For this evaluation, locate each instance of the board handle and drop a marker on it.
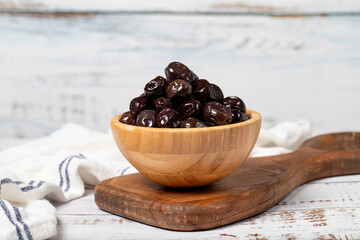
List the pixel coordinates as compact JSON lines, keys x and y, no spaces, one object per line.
{"x":330,"y":155}
{"x":329,"y":164}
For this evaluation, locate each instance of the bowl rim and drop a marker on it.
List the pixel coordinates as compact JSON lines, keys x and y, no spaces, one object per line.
{"x":255,"y":117}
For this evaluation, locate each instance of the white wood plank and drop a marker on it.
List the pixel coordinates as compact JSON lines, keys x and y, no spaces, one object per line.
{"x":338,"y":179}
{"x":295,"y":6}
{"x":317,"y":196}
{"x":314,"y":210}
{"x":85,"y":70}
{"x":342,"y":223}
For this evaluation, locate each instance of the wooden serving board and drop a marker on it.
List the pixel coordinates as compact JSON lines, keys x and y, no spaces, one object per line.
{"x":254,"y":187}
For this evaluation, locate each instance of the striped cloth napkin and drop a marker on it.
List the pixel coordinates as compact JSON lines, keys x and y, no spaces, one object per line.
{"x":61,"y":166}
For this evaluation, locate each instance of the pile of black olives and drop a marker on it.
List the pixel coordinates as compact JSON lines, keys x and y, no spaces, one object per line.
{"x":183,"y":100}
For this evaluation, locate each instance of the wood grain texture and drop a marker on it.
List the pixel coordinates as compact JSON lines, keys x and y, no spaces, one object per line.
{"x":320,"y":223}
{"x":326,"y":208}
{"x":187,"y":157}
{"x":285,"y":68}
{"x":220,"y":6}
{"x":256,"y":186}
{"x":83,"y":68}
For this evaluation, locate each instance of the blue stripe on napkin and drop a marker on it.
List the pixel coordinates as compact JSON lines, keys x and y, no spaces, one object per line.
{"x":25,"y":188}
{"x":30,"y":187}
{"x":19,"y":219}
{"x":60,"y":167}
{"x":7,"y":213}
{"x":124,"y":170}
{"x":67,"y":178}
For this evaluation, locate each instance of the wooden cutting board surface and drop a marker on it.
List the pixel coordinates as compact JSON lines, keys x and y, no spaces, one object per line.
{"x":254,"y":187}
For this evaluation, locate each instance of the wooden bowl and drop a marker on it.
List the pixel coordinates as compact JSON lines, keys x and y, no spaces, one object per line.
{"x":184,"y":157}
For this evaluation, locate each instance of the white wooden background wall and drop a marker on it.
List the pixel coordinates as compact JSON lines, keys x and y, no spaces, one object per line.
{"x":82,"y":61}
{"x":66,"y":63}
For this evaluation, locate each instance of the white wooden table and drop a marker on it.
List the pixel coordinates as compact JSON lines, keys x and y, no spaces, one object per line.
{"x":322,"y":209}
{"x":83,"y":61}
